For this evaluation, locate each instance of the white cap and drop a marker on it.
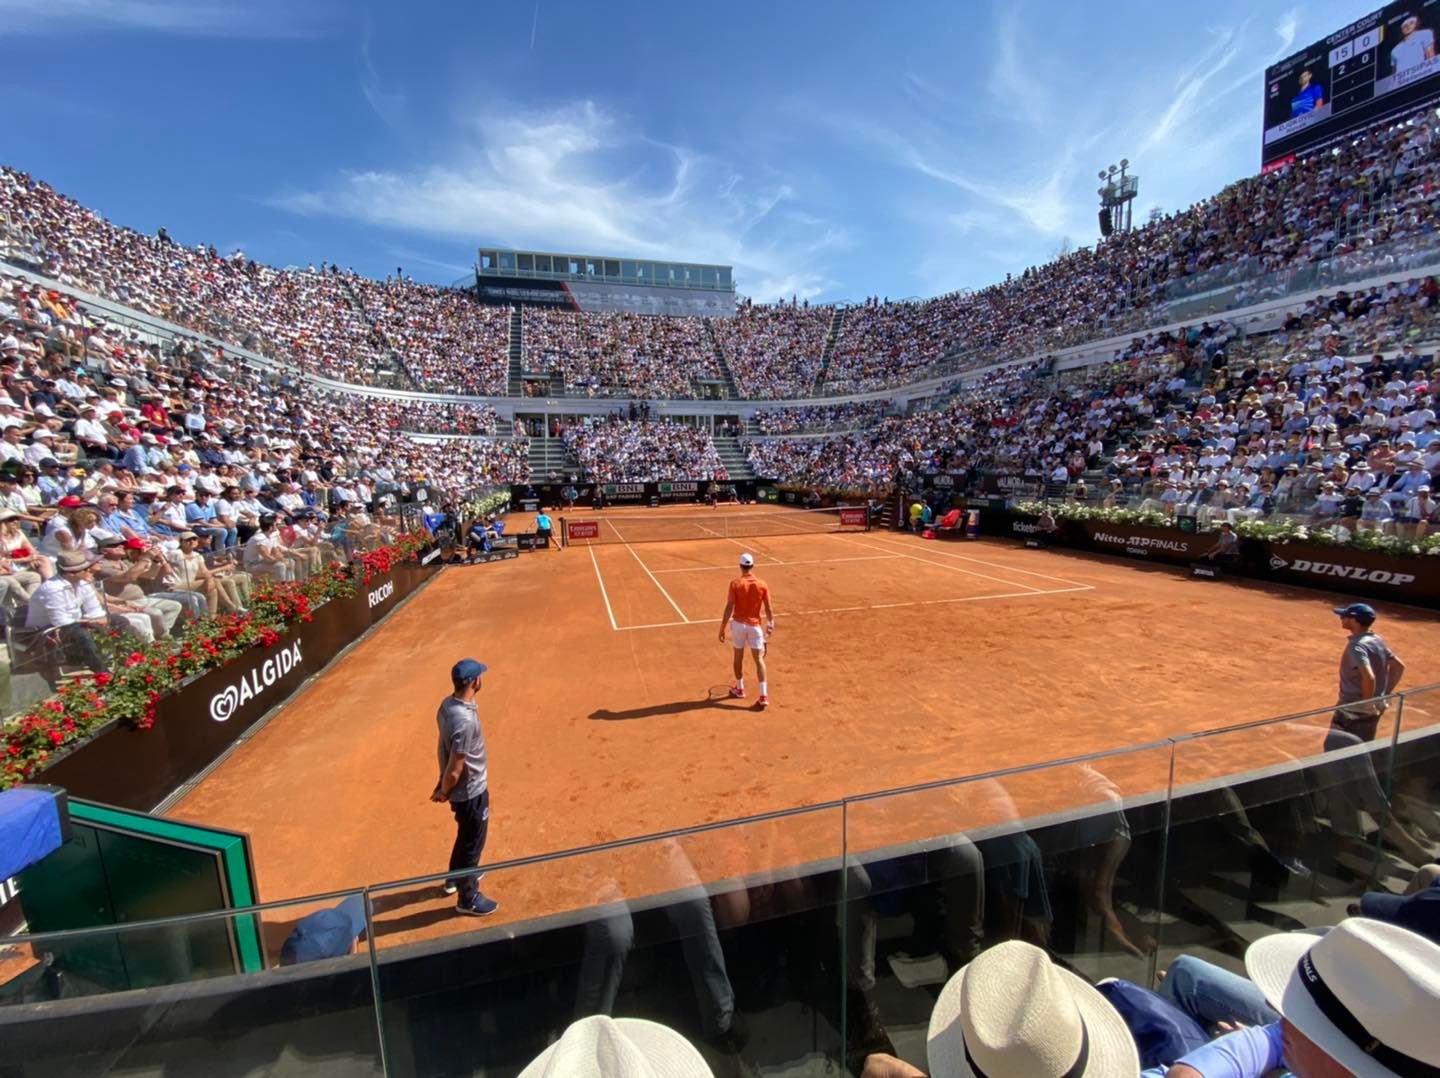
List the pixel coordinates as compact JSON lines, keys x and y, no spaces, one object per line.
{"x":747,"y":560}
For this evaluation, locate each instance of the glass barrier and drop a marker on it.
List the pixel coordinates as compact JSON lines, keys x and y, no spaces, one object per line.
{"x":178,"y":996}
{"x":1067,"y":856}
{"x":1414,"y":786}
{"x":727,"y":935}
{"x":793,"y":943}
{"x":1279,"y":826}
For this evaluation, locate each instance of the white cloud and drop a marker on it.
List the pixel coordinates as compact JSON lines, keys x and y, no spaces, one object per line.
{"x":535,"y":181}
{"x":389,"y":106}
{"x":1285,"y":28}
{"x":1013,"y":79}
{"x":188,"y":18}
{"x":1190,"y":86}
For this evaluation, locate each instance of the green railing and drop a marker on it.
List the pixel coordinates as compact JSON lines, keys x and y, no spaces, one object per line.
{"x":787,"y":943}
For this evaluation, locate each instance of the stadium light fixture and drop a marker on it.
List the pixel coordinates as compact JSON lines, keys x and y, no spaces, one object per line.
{"x":1124,"y":163}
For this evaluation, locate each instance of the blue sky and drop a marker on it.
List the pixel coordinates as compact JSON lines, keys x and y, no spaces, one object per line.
{"x":830,"y":150}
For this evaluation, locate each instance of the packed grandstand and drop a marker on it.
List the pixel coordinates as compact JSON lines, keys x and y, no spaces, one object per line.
{"x":185,"y":423}
{"x":321,"y":376}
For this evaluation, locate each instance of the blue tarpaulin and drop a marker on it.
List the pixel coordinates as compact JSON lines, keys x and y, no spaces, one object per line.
{"x":30,"y":827}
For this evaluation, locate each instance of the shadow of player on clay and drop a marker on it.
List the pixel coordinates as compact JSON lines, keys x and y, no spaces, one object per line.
{"x":718,"y":697}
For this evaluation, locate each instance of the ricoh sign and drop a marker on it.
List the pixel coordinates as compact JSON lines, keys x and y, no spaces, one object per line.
{"x":380,"y":594}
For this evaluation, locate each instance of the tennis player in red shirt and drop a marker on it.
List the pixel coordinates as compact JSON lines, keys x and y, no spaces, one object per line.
{"x":747,"y":599}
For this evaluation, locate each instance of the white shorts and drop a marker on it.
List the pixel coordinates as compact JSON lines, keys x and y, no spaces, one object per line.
{"x":747,"y":636}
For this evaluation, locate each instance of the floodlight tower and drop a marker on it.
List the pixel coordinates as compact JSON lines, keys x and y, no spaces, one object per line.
{"x":1117,"y":198}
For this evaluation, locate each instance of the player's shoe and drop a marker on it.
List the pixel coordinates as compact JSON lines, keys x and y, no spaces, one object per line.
{"x":763,"y":702}
{"x":479,"y":906}
{"x":737,"y":692}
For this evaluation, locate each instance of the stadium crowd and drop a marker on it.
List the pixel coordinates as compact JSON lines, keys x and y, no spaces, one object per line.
{"x":1308,"y":422}
{"x":114,"y":447}
{"x":617,"y":450}
{"x":775,"y":351}
{"x":616,"y":353}
{"x":445,"y":340}
{"x":307,"y":318}
{"x":811,"y":418}
{"x":1375,"y":192}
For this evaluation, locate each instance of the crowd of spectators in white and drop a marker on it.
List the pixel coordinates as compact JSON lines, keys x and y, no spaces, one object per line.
{"x":303,"y":317}
{"x":775,"y":351}
{"x":617,"y":353}
{"x":1378,"y":190}
{"x":446,"y":341}
{"x":617,"y":450}
{"x":1330,"y":421}
{"x":95,"y":381}
{"x":820,"y":418}
{"x":1374,"y":192}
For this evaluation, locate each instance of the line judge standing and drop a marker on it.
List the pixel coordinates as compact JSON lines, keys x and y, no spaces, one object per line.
{"x":747,"y":598}
{"x":1369,"y":670}
{"x":462,"y":783}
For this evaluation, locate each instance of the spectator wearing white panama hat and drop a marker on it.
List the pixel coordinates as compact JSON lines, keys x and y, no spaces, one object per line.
{"x":604,"y":1047}
{"x":1359,"y":1000}
{"x":1012,"y":1013}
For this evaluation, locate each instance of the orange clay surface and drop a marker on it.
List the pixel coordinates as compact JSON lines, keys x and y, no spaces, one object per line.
{"x":896,"y":661}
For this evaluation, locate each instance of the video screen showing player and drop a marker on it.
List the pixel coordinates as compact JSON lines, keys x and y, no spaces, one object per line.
{"x":1310,"y":95}
{"x":1416,"y":45}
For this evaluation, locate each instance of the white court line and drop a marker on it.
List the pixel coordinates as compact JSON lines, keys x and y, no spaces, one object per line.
{"x":750,"y":547}
{"x":991,"y":564}
{"x":603,"y":593}
{"x":876,"y":606}
{"x":657,"y":583}
{"x":812,"y":561}
{"x":942,"y":565}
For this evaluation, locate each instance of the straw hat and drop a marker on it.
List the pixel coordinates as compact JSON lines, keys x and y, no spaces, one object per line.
{"x":604,"y":1047}
{"x":1365,"y":993}
{"x":1012,"y":1013}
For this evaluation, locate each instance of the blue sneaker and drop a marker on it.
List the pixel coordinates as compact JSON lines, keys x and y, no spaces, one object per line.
{"x":479,"y":906}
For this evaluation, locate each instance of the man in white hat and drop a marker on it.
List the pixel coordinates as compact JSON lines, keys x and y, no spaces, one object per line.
{"x":1359,"y":1000}
{"x":1012,"y":1013}
{"x":604,"y":1047}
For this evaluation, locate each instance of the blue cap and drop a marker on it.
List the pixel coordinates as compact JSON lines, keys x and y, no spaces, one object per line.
{"x":1359,"y":611}
{"x":325,"y":933}
{"x":467,"y":670}
{"x":1419,"y":912}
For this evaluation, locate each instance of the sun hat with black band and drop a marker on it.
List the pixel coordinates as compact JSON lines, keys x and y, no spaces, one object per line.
{"x":1365,"y":993}
{"x":1012,"y":1013}
{"x":605,"y":1047}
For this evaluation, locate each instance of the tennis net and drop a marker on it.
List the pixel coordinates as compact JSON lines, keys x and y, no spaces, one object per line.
{"x":585,"y":531}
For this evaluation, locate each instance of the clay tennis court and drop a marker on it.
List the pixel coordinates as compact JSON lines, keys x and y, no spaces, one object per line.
{"x":896,"y":661}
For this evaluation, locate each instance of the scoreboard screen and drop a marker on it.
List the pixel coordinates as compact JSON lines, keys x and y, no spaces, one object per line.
{"x":1378,"y":67}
